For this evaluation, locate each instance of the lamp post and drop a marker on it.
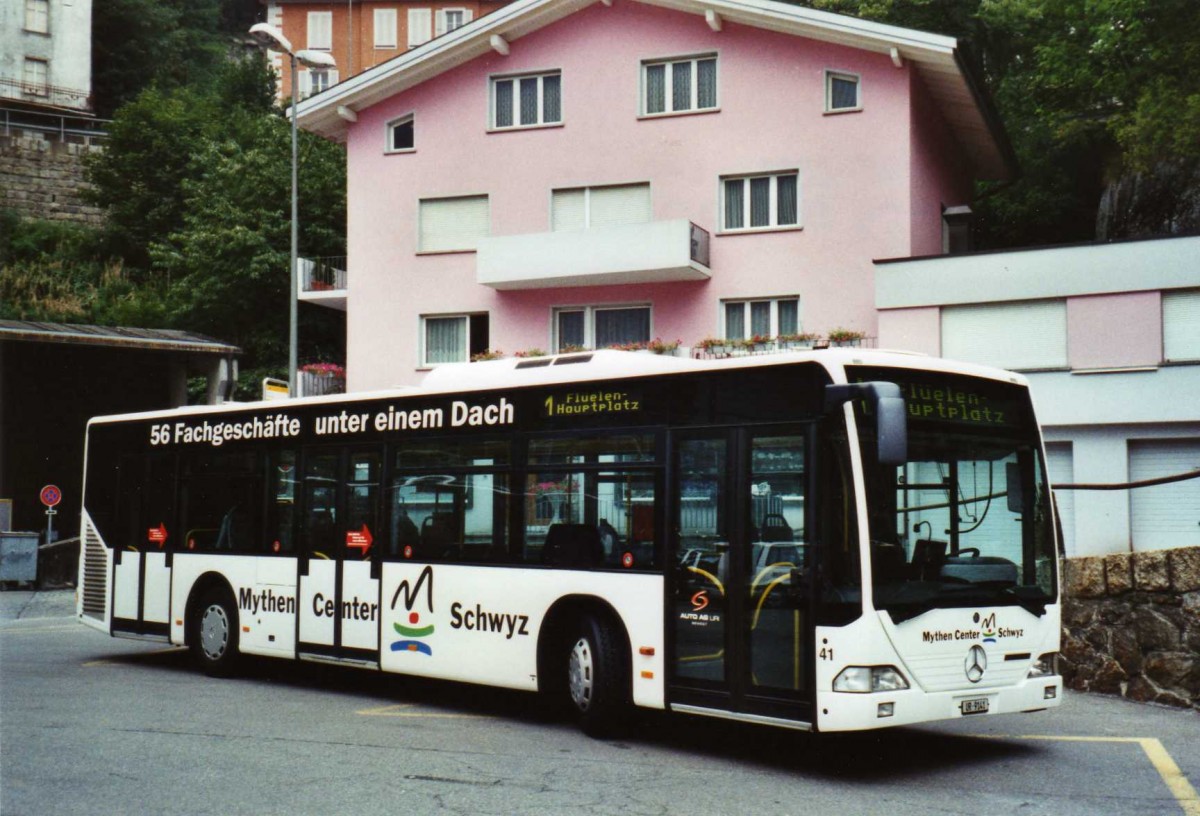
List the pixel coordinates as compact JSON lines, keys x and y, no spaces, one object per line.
{"x":271,"y":38}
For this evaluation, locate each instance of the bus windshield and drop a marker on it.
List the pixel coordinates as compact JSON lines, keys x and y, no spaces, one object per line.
{"x":966,"y":521}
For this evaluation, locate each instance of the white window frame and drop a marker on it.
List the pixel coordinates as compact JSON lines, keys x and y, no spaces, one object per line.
{"x":389,"y":142}
{"x":313,"y":81}
{"x":845,"y":76}
{"x":469,"y":247}
{"x":668,"y":85}
{"x":420,"y":26}
{"x":422,"y":341}
{"x":37,"y":16}
{"x":589,"y":320}
{"x":31,"y":84}
{"x":746,"y":313}
{"x":587,"y":201}
{"x":516,"y":80}
{"x":774,"y":225}
{"x":385,"y":32}
{"x":319,"y":23}
{"x":442,"y":25}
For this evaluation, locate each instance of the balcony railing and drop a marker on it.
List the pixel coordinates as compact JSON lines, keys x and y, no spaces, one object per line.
{"x":323,"y":281}
{"x":316,"y":385}
{"x":652,"y":252}
{"x":41,"y":93}
{"x":81,"y":128}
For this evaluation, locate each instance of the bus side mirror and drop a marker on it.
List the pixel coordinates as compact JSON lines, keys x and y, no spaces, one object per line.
{"x":891,"y":418}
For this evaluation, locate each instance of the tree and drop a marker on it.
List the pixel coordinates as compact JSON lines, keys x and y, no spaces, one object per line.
{"x":136,"y":43}
{"x":228,"y":262}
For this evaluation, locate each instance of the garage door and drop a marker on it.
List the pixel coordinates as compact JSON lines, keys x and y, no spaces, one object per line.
{"x":1061,"y":465}
{"x":1164,"y":516}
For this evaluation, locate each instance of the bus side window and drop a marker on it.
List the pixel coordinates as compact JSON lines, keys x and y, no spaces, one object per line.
{"x":221,"y":501}
{"x":281,"y":502}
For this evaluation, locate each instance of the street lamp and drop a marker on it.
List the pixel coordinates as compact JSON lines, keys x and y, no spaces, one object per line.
{"x":271,"y":38}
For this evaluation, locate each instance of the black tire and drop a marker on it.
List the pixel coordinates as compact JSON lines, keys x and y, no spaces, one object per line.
{"x":214,"y":635}
{"x":597,"y":678}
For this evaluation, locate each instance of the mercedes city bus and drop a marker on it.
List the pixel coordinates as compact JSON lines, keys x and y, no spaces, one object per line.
{"x":829,"y":540}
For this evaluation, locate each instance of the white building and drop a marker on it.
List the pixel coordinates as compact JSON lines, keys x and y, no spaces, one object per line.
{"x":46,"y":53}
{"x":1109,"y":336}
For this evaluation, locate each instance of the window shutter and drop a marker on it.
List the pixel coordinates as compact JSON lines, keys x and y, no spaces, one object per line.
{"x":1181,"y":325}
{"x":304,"y":88}
{"x":449,"y":224}
{"x":320,"y":30}
{"x":1009,"y":335}
{"x":467,"y":16}
{"x":441,"y":22}
{"x":625,"y":204}
{"x":569,"y":210}
{"x":420,"y":26}
{"x":385,"y":28}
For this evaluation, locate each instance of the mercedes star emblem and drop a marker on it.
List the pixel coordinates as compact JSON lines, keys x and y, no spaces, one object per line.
{"x":975,"y":664}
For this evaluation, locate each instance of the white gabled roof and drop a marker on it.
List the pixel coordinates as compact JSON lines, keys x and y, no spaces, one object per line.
{"x":936,"y":57}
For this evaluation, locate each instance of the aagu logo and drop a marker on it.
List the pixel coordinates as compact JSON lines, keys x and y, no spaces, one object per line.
{"x":700,"y":600}
{"x":413,"y":633}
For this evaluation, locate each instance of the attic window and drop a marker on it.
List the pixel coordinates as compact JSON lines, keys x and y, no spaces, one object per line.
{"x":400,"y":136}
{"x":841,"y":92}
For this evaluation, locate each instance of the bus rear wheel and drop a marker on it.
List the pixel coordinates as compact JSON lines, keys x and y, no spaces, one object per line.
{"x":214,"y":637}
{"x":596,"y":678}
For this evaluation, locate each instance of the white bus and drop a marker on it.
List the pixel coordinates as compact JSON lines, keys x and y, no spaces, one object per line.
{"x":828,"y":540}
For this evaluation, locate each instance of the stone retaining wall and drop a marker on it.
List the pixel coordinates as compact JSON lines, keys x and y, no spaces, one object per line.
{"x":1131,"y":625}
{"x":42,"y":177}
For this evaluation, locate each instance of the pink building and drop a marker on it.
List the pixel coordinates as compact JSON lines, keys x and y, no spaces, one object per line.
{"x":561,"y":173}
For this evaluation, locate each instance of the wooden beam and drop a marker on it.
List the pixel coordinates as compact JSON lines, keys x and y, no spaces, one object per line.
{"x":499,"y":44}
{"x":713,"y":19}
{"x":346,"y":113}
{"x":897,"y":60}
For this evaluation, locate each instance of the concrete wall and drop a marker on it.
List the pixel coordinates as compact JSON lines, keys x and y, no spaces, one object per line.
{"x":42,"y":177}
{"x":1131,"y":626}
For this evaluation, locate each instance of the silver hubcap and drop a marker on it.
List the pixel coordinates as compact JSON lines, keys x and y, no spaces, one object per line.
{"x":214,"y":632}
{"x":580,"y":674}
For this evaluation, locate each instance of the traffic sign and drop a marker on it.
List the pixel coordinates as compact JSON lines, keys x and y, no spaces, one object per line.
{"x":50,"y":495}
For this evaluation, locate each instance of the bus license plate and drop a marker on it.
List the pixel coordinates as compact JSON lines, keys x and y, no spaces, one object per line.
{"x":979,"y":706}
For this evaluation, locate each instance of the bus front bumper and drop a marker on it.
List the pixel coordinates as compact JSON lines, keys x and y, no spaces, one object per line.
{"x":838,"y":711}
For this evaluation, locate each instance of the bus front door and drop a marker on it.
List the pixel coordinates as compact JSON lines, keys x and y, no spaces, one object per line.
{"x":339,"y":579}
{"x":741,"y":634}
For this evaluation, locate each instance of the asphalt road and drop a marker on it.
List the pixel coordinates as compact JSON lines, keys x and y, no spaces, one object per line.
{"x":92,"y":725}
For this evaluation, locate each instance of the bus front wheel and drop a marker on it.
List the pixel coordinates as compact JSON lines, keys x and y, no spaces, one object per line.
{"x":596,"y":680}
{"x":214,"y":639}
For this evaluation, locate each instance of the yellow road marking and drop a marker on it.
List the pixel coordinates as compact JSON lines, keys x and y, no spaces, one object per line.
{"x":113,"y":661}
{"x":396,"y":711}
{"x":1185,"y":795}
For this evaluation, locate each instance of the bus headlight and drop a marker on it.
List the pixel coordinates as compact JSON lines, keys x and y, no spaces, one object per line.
{"x":865,"y":679}
{"x":1045,"y":666}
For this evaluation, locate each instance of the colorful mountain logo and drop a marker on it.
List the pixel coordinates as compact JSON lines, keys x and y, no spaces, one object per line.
{"x":989,"y":628}
{"x":414,"y":635}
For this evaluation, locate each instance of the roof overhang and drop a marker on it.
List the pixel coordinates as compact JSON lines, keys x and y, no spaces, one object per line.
{"x":936,"y":58}
{"x":117,"y":336}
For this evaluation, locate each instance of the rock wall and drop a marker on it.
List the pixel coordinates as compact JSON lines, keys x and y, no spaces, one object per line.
{"x":1131,"y":625}
{"x":42,"y":177}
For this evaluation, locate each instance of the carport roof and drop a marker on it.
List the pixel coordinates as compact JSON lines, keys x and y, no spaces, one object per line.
{"x":124,"y":336}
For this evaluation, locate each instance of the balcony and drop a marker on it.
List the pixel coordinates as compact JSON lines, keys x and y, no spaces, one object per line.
{"x":654,"y":252}
{"x":323,"y":281}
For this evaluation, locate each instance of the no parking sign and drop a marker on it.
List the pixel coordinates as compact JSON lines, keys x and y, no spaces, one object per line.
{"x":50,"y":495}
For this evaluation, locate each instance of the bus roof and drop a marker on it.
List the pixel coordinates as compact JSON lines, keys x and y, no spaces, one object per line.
{"x":605,"y":364}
